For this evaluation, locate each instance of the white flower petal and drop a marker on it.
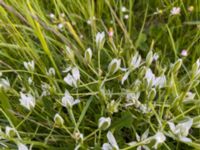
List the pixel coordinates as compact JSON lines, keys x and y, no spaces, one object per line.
{"x":27,"y":100}
{"x":112,"y":140}
{"x":106,"y":146}
{"x":125,"y":77}
{"x":185,"y":139}
{"x":22,"y":146}
{"x":145,"y":135}
{"x":76,"y":73}
{"x":172,"y":126}
{"x":69,"y":79}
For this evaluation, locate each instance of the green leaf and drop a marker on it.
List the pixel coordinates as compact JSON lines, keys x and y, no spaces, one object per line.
{"x":6,"y":107}
{"x":125,"y":120}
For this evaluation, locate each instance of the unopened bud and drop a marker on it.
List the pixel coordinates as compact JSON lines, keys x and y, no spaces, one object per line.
{"x":88,"y":55}
{"x":149,"y":58}
{"x":196,"y":69}
{"x":104,"y":123}
{"x":177,"y":66}
{"x":152,"y":94}
{"x":114,"y":66}
{"x":58,"y":120}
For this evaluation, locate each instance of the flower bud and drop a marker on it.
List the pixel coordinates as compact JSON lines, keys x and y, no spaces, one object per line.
{"x":30,"y":66}
{"x":104,"y":123}
{"x":152,"y":94}
{"x":176,"y":66}
{"x":100,"y":39}
{"x":58,"y":120}
{"x":69,"y":53}
{"x":196,"y":69}
{"x":114,"y":66}
{"x":149,"y":58}
{"x":88,"y":55}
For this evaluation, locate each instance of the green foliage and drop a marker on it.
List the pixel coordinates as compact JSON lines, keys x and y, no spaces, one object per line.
{"x":139,"y":76}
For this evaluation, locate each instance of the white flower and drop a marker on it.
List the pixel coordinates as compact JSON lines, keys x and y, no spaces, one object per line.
{"x":160,"y":138}
{"x":123,"y":9}
{"x":45,"y":89}
{"x":135,"y":61}
{"x":184,"y":53}
{"x":60,"y":26}
{"x":114,"y":66}
{"x":189,"y":97}
{"x":73,"y":79}
{"x":76,"y":73}
{"x":107,"y":146}
{"x":131,"y":96}
{"x":30,"y":66}
{"x":144,"y":108}
{"x":51,"y":72}
{"x":22,"y":146}
{"x":155,"y":57}
{"x":175,"y":11}
{"x":62,"y":15}
{"x":81,"y":36}
{"x":104,"y":123}
{"x":100,"y":39}
{"x":126,"y":16}
{"x":51,"y":15}
{"x":132,"y":99}
{"x":69,"y":79}
{"x":160,"y":81}
{"x":27,"y":100}
{"x":4,"y":83}
{"x":88,"y":54}
{"x":58,"y":120}
{"x":89,"y":22}
{"x":182,"y":129}
{"x":68,"y":101}
{"x":140,"y":139}
{"x":112,"y":143}
{"x":150,"y":77}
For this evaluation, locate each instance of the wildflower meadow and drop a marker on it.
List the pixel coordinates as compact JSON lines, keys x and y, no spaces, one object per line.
{"x":99,"y":74}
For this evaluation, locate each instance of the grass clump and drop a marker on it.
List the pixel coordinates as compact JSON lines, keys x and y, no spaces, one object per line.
{"x":99,"y":74}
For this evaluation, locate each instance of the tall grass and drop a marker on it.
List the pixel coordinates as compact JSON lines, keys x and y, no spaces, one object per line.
{"x":106,"y":74}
